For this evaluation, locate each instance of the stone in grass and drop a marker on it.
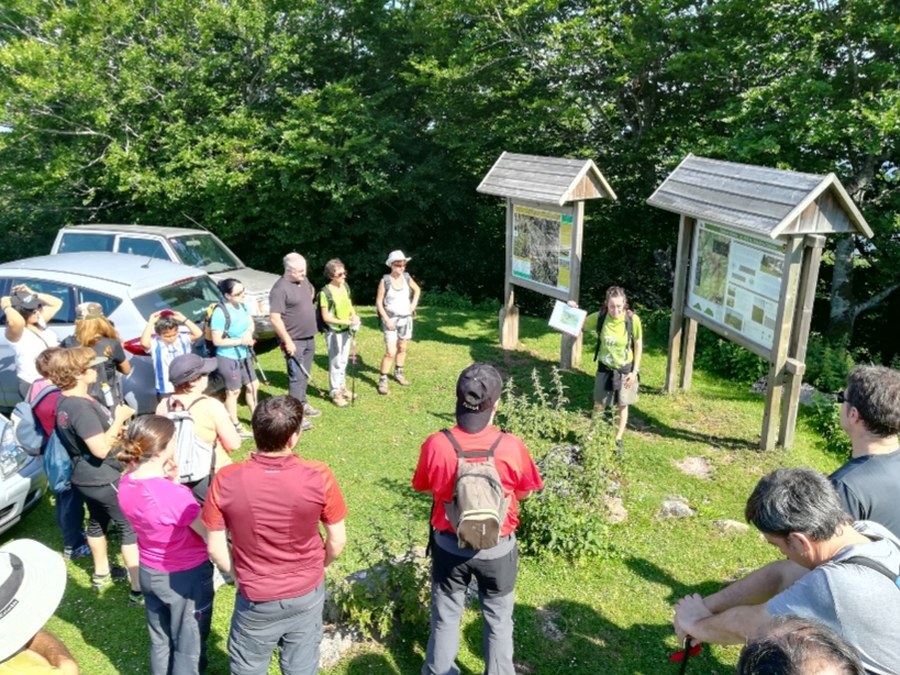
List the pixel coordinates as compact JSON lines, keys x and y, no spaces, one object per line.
{"x":615,"y":511}
{"x":726,"y":526}
{"x":699,"y":467}
{"x":336,"y":642}
{"x":676,"y":507}
{"x":549,"y":619}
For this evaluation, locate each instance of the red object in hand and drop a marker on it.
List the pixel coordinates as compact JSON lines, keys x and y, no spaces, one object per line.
{"x":680,"y":654}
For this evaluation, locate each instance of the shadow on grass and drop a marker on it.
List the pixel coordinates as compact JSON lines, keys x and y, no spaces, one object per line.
{"x":646,"y":423}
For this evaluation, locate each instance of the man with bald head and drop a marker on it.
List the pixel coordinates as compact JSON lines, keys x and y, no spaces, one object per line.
{"x":293,"y":316}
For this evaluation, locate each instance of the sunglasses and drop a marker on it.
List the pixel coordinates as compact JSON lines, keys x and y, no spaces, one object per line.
{"x":340,"y":274}
{"x":399,"y":264}
{"x":841,"y":398}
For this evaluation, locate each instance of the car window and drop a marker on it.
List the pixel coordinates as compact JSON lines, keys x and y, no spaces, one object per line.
{"x":152,"y":248}
{"x":74,"y":242}
{"x":108,"y":303}
{"x":190,"y":297}
{"x":66,"y":314}
{"x":203,"y":251}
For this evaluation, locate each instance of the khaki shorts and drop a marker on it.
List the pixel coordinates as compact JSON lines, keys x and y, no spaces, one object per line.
{"x":623,"y":397}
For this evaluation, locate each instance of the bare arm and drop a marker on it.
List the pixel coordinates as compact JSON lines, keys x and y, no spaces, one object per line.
{"x":124,"y":367}
{"x":281,"y":332}
{"x":379,"y":302}
{"x":217,"y":547}
{"x":733,"y":626}
{"x":15,"y":324}
{"x":195,"y":330}
{"x":226,"y":433}
{"x":148,"y":330}
{"x":100,"y":445}
{"x":757,"y":587}
{"x":198,"y":527}
{"x":417,"y":291}
{"x":54,"y":651}
{"x":335,"y":540}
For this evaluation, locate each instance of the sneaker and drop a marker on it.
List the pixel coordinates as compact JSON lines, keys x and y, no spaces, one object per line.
{"x":116,"y":573}
{"x":135,"y":599}
{"x":83,"y":551}
{"x":339,"y":400}
{"x":309,"y":411}
{"x":349,"y":395}
{"x":618,"y":450}
{"x":382,"y":387}
{"x":242,"y":431}
{"x":402,"y":381}
{"x":306,"y":426}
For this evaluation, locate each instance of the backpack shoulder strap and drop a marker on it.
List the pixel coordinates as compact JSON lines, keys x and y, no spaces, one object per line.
{"x":386,"y":280}
{"x":202,"y":398}
{"x":601,"y":319}
{"x":463,"y":454}
{"x":46,"y":391}
{"x":872,"y":565}
{"x":227,"y":315}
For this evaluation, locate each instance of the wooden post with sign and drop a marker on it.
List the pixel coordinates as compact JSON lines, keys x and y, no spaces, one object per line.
{"x":749,"y":245}
{"x":544,"y":231}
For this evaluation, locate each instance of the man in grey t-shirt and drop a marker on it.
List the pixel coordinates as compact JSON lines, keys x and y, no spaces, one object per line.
{"x":798,"y":512}
{"x":870,"y":415}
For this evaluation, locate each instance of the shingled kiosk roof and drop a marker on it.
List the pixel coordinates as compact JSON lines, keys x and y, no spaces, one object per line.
{"x":771,"y":202}
{"x":552,"y":180}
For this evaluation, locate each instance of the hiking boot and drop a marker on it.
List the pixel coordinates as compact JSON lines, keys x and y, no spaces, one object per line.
{"x":349,"y":395}
{"x":116,"y":573}
{"x":339,"y":400}
{"x":135,"y":599}
{"x":82,"y":551}
{"x":382,"y":387}
{"x":402,"y":381}
{"x":242,"y":431}
{"x":309,"y":411}
{"x":306,"y":426}
{"x":618,"y":450}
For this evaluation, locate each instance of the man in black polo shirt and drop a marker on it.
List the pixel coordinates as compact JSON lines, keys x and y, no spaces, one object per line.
{"x":293,"y":316}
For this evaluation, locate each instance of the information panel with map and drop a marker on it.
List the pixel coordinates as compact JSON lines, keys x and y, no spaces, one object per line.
{"x":736,"y":281}
{"x":542,"y":246}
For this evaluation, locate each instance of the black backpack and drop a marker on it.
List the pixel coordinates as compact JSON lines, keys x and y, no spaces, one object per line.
{"x":208,"y":346}
{"x":320,"y":322}
{"x":478,"y":508}
{"x":629,"y":330}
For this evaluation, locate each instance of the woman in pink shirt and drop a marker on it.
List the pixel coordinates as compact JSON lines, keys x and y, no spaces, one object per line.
{"x":175,"y":572}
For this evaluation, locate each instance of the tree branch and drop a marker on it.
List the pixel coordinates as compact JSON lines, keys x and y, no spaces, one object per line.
{"x":874,"y":300}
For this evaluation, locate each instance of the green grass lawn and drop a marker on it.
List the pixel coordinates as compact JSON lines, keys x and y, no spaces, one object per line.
{"x":612,"y":614}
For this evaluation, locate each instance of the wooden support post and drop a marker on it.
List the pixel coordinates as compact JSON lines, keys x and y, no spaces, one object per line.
{"x":809,"y":275}
{"x":690,"y":346}
{"x":781,"y":340}
{"x":679,"y":293}
{"x":509,"y":313}
{"x":570,"y":347}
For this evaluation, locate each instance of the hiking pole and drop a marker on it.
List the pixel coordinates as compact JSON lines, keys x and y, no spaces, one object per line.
{"x":262,"y":374}
{"x":308,"y":376}
{"x":353,"y":366}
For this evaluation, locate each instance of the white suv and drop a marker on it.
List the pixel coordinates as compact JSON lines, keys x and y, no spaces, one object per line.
{"x":128,"y":287}
{"x":193,"y":247}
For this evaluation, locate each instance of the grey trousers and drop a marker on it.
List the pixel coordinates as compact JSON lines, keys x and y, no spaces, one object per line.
{"x":450,"y":575}
{"x":293,"y":624}
{"x":338,"y":355}
{"x":297,"y":378}
{"x":178,"y":606}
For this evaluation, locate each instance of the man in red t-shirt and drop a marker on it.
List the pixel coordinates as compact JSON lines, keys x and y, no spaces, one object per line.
{"x":477,"y":395}
{"x":272,"y":506}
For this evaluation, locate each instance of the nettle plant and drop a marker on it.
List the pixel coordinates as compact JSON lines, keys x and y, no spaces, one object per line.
{"x":575,"y":456}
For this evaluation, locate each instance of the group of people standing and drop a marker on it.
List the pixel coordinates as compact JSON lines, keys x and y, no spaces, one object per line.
{"x":294,"y":304}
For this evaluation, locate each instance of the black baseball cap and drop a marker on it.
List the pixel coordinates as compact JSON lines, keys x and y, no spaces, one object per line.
{"x":477,"y":390}
{"x":189,"y":367}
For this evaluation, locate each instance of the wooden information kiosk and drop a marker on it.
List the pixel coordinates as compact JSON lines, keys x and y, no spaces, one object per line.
{"x":544,"y":225}
{"x":749,"y":245}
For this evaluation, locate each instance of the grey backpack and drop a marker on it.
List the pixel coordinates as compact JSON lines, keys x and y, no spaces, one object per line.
{"x":478,"y":509}
{"x":195,"y":459}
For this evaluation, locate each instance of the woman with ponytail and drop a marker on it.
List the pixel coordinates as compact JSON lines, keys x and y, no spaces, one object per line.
{"x":175,"y":572}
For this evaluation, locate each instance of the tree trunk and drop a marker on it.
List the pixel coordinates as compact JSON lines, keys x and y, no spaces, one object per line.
{"x":840,"y":326}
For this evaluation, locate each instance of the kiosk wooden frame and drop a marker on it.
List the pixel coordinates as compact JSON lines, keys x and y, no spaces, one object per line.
{"x":550,"y":188}
{"x":796,"y":209}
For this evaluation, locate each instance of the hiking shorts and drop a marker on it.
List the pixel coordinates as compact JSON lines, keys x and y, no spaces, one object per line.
{"x":236,"y":372}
